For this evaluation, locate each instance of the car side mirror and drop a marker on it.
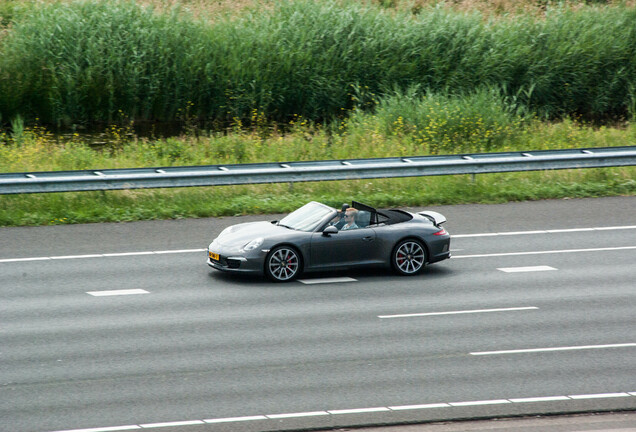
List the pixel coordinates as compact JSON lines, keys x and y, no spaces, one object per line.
{"x":330,"y":230}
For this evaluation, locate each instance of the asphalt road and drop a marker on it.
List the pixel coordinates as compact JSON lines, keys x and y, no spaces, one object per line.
{"x":533,"y":315}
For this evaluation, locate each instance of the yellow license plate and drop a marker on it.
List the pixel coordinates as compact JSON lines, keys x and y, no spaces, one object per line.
{"x":214,"y":256}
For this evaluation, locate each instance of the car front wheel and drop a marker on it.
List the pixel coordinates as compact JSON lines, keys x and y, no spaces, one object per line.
{"x":282,"y":264}
{"x":408,"y":257}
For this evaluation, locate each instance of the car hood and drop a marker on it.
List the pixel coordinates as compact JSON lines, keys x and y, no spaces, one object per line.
{"x":246,"y":232}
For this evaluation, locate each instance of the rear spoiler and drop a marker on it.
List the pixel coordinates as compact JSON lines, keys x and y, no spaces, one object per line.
{"x":437,"y":218}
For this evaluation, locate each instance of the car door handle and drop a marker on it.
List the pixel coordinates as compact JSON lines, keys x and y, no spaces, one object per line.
{"x":367,"y":238}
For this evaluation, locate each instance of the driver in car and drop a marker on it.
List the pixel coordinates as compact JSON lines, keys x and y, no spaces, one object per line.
{"x":350,"y":219}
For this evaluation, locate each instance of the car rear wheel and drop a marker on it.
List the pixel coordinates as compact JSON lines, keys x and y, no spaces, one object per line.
{"x":282,"y":264}
{"x":409,"y":257}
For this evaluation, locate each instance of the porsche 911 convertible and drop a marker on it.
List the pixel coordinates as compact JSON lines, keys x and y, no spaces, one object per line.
{"x":317,"y":237}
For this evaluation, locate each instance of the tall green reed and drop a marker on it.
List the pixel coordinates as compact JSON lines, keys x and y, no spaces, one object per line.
{"x":86,"y":61}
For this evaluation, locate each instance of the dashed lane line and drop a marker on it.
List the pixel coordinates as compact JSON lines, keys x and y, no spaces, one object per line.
{"x":358,"y":410}
{"x":362,"y":411}
{"x":482,"y":402}
{"x":554,"y":231}
{"x":472,"y":311}
{"x":526,"y":269}
{"x":553,"y":349}
{"x":226,"y":420}
{"x":326,"y":280}
{"x":547,"y":252}
{"x":172,"y":424}
{"x":127,"y":254}
{"x":117,"y":292}
{"x":296,"y":415}
{"x":107,"y":255}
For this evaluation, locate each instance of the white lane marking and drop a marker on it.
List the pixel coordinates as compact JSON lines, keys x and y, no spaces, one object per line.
{"x":75,"y":257}
{"x":105,"y":429}
{"x":514,"y":233}
{"x":106,"y":255}
{"x":570,"y":348}
{"x":611,"y":228}
{"x":127,"y":254}
{"x":117,"y":292}
{"x":572,"y":230}
{"x":295,"y":415}
{"x":417,"y":407}
{"x":456,"y":236}
{"x":8,"y":260}
{"x":358,"y":410}
{"x":326,"y":280}
{"x":459,"y":312}
{"x":235,"y":419}
{"x":554,"y":231}
{"x":365,"y":410}
{"x":172,"y":424}
{"x":599,"y":396}
{"x":545,"y":252}
{"x":525,"y":269}
{"x":483,"y":402}
{"x":539,"y":399}
{"x":180,"y":251}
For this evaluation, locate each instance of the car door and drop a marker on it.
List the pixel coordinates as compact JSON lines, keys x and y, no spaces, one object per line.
{"x":345,"y":248}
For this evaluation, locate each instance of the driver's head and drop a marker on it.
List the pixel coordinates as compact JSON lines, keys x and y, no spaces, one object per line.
{"x":350,"y":214}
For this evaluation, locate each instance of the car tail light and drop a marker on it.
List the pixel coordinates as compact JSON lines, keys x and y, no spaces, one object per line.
{"x":441,"y":232}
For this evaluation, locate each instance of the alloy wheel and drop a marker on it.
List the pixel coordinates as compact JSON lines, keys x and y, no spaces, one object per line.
{"x":283,"y":264}
{"x":409,"y":257}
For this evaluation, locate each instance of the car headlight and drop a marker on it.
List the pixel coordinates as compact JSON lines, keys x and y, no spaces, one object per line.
{"x":253,"y":244}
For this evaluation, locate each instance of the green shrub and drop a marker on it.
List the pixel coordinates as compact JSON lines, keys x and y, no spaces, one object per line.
{"x":475,"y":122}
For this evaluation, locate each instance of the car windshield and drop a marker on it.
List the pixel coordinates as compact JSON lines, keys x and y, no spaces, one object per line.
{"x":308,"y":217}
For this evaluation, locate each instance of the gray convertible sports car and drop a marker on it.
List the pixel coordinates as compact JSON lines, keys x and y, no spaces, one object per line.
{"x":318,"y":237}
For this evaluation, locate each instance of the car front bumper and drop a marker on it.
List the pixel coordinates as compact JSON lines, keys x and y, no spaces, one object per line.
{"x":237,"y":263}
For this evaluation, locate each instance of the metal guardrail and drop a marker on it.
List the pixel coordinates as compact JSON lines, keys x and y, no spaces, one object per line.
{"x":291,"y":172}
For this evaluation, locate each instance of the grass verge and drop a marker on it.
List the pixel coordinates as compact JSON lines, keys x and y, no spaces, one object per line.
{"x":369,"y":137}
{"x":124,"y":206}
